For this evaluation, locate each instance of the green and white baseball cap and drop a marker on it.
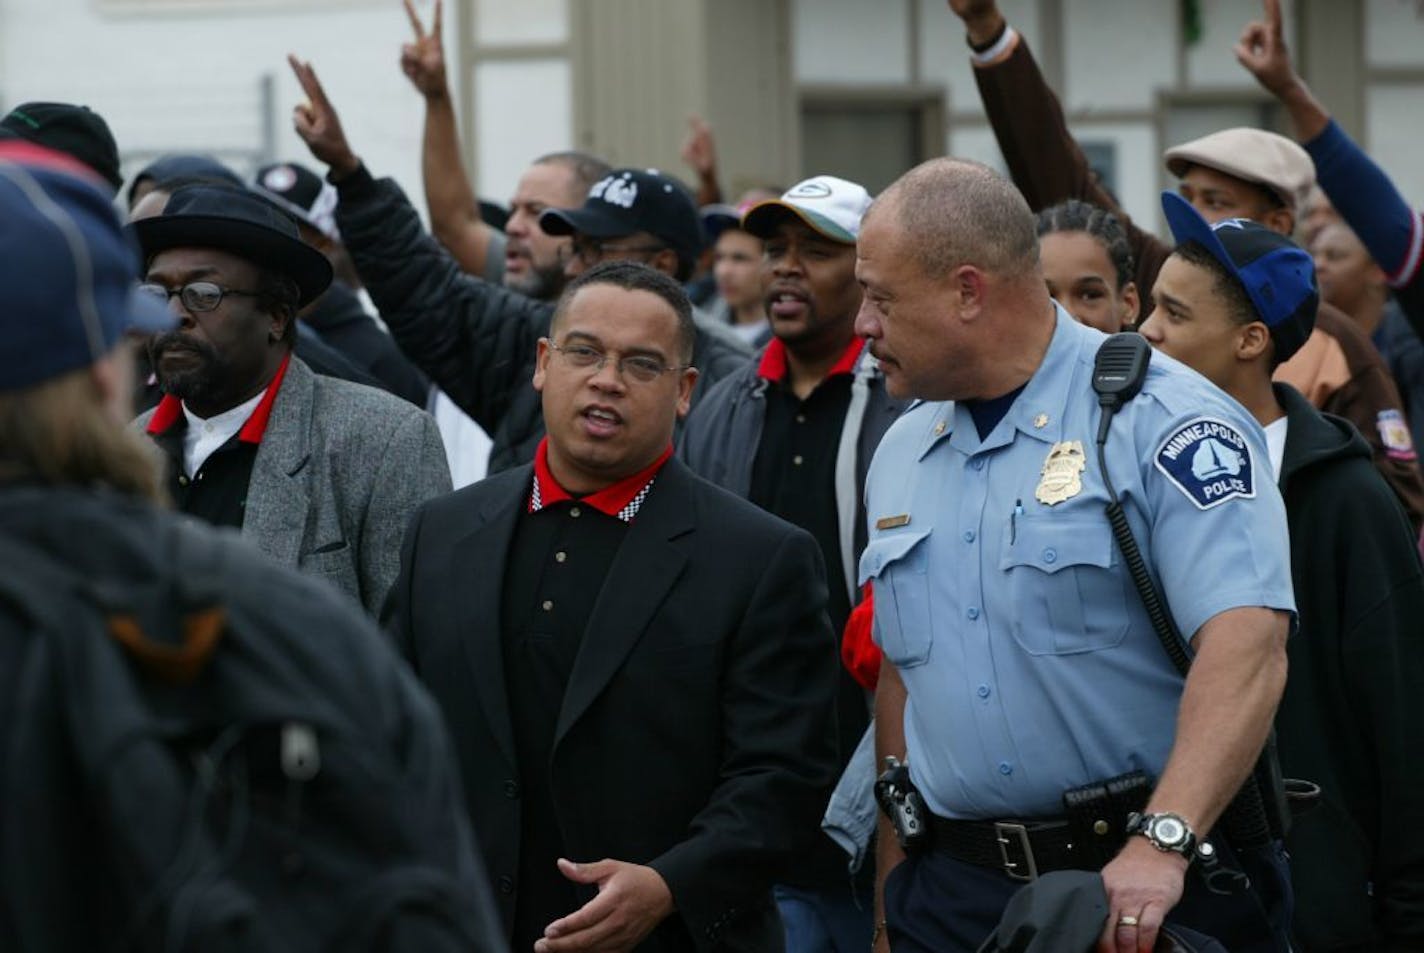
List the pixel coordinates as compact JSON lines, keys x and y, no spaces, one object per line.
{"x":831,"y":206}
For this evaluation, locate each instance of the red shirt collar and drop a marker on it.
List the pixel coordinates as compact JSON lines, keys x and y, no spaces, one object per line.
{"x":170,"y":410}
{"x":773,"y":360}
{"x":621,"y":500}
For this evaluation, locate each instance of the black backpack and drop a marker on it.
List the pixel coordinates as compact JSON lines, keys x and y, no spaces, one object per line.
{"x":182,"y":772}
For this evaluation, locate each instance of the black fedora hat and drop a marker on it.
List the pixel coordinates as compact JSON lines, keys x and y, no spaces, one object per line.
{"x":236,"y":221}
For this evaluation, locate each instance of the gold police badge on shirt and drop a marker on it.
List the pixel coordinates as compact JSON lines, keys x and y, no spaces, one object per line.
{"x":1062,"y":477}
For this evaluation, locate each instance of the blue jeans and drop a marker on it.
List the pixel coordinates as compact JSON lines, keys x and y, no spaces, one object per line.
{"x":936,"y":904}
{"x":836,"y":920}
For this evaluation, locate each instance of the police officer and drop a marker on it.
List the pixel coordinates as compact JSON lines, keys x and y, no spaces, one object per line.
{"x":1020,"y":662}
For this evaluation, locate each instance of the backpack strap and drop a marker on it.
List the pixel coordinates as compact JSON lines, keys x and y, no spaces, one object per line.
{"x":176,"y":664}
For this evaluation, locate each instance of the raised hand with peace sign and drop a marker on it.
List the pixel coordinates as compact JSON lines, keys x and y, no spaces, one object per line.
{"x":318,"y":125}
{"x":423,"y":61}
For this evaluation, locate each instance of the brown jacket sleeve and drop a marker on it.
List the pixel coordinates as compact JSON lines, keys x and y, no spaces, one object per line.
{"x":1043,"y":158}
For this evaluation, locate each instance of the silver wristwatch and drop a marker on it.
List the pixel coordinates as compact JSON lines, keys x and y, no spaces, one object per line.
{"x":1165,"y":831}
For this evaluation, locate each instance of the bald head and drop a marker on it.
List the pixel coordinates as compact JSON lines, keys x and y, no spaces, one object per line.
{"x":954,"y":302}
{"x":956,"y":212}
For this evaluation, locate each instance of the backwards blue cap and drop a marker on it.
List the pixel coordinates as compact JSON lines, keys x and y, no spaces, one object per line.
{"x":1278,"y":275}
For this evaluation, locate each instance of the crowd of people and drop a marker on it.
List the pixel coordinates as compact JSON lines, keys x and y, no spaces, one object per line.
{"x":958,"y":568}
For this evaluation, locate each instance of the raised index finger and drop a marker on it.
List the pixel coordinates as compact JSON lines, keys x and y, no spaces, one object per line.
{"x":415,"y":20}
{"x":1273,"y":17}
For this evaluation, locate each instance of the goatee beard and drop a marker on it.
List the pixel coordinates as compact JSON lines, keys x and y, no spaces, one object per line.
{"x":201,"y":383}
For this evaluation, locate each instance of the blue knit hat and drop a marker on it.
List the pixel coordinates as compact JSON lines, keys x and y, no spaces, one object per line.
{"x":67,"y":270}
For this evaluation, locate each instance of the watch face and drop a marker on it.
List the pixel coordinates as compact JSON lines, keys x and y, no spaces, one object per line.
{"x":1168,"y":830}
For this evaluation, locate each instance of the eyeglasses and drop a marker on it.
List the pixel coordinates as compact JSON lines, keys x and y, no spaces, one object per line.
{"x":638,"y":367}
{"x":195,"y":295}
{"x":591,"y":251}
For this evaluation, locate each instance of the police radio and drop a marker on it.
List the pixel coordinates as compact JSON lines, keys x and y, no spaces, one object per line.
{"x":1259,"y":812}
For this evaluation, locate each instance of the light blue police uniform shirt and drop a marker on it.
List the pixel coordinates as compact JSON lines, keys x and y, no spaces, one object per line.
{"x":1030,"y":664}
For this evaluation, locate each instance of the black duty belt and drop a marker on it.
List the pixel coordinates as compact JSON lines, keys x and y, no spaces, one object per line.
{"x":1021,"y":849}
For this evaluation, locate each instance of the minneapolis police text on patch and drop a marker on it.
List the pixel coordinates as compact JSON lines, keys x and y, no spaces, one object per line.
{"x":1209,"y":461}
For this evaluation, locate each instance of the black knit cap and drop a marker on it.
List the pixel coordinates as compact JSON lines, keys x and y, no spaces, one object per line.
{"x":76,"y":131}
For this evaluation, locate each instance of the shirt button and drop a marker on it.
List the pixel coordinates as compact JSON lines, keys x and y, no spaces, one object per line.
{"x":511,"y":789}
{"x":800,"y":418}
{"x":796,"y":459}
{"x":560,"y":557}
{"x":207,"y":428}
{"x":506,"y":885}
{"x":1005,"y":768}
{"x":548,"y":606}
{"x":983,"y":691}
{"x":978,"y":463}
{"x":182,"y":480}
{"x":973,"y":612}
{"x":1050,"y":555}
{"x":969,"y":535}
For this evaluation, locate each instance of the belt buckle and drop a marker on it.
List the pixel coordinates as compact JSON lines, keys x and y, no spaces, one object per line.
{"x":1006,"y":833}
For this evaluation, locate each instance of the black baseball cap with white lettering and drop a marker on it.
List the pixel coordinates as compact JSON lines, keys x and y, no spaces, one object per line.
{"x":1278,"y":275}
{"x":631,"y":200}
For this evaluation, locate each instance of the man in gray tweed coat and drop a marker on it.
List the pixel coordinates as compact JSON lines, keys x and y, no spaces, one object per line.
{"x":321,"y":474}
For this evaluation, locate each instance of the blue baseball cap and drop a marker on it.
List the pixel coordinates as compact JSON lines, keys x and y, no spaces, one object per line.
{"x":1278,"y":275}
{"x":67,"y":270}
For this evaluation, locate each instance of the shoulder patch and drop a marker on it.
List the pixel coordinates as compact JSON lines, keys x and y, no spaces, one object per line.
{"x":1394,"y":434}
{"x":1209,"y":461}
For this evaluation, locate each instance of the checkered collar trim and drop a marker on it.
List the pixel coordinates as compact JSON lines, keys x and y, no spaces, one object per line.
{"x":622,"y":500}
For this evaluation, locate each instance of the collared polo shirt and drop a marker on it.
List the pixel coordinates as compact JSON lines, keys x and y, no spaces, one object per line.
{"x":558,"y":560}
{"x":794,"y":471}
{"x":217,"y":492}
{"x":1000,"y":596}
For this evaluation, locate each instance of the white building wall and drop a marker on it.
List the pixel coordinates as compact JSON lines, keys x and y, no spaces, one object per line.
{"x":851,"y":41}
{"x":522,"y":110}
{"x":516,"y":22}
{"x":1394,"y":42}
{"x":523,"y":89}
{"x":175,"y":75}
{"x":1119,"y":68}
{"x":187,"y":78}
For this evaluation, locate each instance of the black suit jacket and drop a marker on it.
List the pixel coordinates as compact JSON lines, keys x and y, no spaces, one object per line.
{"x":696,"y":731}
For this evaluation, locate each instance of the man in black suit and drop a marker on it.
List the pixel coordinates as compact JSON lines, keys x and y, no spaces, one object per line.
{"x":634,"y":664}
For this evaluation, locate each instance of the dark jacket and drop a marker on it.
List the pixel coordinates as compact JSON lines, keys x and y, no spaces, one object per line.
{"x":82,"y":880}
{"x":722,"y":435}
{"x":695,"y":732}
{"x":341,"y":322}
{"x":1349,"y":718}
{"x":1403,"y":354}
{"x":720,"y":443}
{"x":476,"y":341}
{"x":1049,"y":167}
{"x":327,"y":361}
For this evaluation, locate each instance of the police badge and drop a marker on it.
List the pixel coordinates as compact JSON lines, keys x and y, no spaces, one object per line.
{"x":1062,"y":473}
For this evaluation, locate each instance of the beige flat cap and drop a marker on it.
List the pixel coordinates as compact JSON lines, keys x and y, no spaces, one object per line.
{"x":1254,"y":155}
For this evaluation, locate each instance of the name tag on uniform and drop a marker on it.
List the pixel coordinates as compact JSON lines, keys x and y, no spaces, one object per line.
{"x":891,"y":522}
